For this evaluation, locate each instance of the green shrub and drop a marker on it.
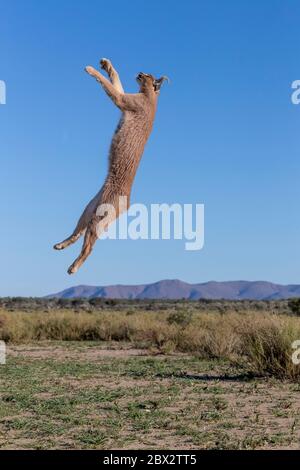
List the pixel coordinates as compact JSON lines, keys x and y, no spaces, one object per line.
{"x":180,"y":317}
{"x":294,"y":306}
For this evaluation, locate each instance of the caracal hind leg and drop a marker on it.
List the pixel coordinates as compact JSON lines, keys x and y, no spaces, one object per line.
{"x":79,"y":230}
{"x":88,"y":244}
{"x":96,"y":227}
{"x":68,"y":241}
{"x":82,"y":224}
{"x":112,"y":73}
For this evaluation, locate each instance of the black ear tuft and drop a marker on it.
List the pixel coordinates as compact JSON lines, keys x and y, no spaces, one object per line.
{"x":158,"y":82}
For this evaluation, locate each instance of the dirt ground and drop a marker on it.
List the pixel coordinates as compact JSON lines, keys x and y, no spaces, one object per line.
{"x":89,"y":395}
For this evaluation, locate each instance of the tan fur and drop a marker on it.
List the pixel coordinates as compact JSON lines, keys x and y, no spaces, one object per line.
{"x":127,"y":146}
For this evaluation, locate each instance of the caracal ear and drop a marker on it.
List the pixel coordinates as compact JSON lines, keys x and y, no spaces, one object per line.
{"x":159,"y":81}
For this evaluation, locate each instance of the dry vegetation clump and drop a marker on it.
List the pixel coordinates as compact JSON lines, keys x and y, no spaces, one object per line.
{"x":259,"y":340}
{"x":211,"y":336}
{"x":267,"y":344}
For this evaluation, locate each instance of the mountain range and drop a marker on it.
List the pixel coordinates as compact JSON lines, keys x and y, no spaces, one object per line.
{"x":176,"y":289}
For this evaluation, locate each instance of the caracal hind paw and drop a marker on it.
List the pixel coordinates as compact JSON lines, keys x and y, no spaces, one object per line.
{"x":72,"y":269}
{"x":105,"y":64}
{"x":59,"y":246}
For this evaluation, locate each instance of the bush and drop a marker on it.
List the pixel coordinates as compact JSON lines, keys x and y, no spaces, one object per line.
{"x":267,"y":346}
{"x":180,"y":317}
{"x":294,"y":306}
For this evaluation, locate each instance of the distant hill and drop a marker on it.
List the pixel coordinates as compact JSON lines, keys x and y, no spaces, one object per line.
{"x":175,"y":289}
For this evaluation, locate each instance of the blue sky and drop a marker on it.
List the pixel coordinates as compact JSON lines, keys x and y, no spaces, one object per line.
{"x":225,"y":135}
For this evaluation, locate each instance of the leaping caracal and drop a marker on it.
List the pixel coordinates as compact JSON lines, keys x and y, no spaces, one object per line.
{"x":127,"y":146}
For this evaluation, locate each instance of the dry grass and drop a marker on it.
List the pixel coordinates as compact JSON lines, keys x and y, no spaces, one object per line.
{"x":262,"y":341}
